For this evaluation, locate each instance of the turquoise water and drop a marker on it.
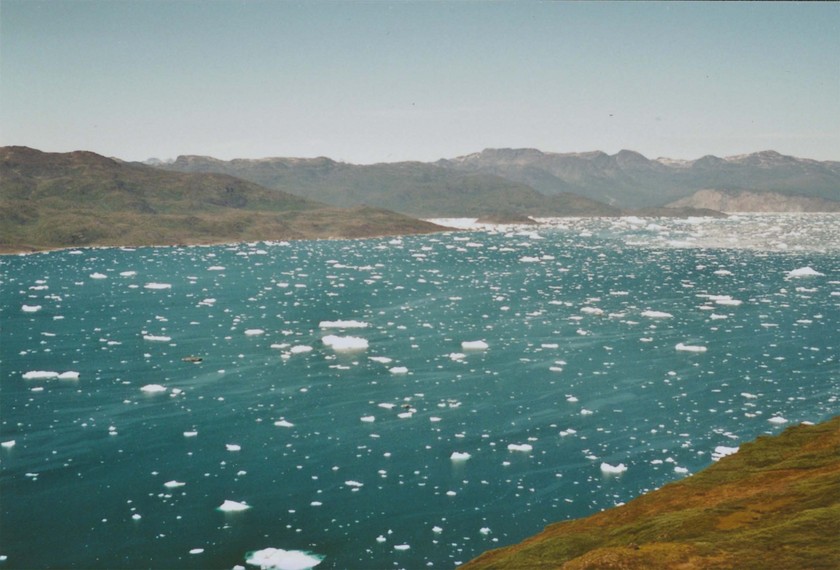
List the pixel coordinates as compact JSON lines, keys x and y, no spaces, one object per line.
{"x":350,"y":457}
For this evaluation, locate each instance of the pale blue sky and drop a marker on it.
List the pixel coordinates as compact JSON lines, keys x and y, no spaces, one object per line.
{"x":386,"y":81}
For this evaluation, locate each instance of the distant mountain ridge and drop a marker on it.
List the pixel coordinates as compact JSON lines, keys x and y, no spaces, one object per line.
{"x":517,"y":181}
{"x":628,"y":179}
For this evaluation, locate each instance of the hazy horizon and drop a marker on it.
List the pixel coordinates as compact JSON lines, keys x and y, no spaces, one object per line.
{"x":369,"y":82}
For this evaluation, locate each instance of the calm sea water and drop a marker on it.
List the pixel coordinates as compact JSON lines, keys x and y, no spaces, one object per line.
{"x":623,"y":346}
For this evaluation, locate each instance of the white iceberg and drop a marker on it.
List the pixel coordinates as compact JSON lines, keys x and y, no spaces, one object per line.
{"x":279,"y":559}
{"x":722,"y":451}
{"x":689,"y":347}
{"x":656,"y":314}
{"x":232,"y":506}
{"x":613,"y":469}
{"x":345,"y":343}
{"x":804,"y":272}
{"x":398,"y":370}
{"x":39,"y":375}
{"x":157,"y":286}
{"x":30,"y":308}
{"x":474,"y":345}
{"x":459,"y":456}
{"x":153,"y":388}
{"x":254,"y":332}
{"x":343,"y":325}
{"x":156,"y":338}
{"x":520,"y":447}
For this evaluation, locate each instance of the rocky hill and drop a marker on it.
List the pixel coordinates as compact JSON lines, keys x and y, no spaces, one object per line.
{"x":50,"y":200}
{"x":774,"y":504}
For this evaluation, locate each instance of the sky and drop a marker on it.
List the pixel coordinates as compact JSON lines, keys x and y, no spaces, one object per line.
{"x":366,"y":82}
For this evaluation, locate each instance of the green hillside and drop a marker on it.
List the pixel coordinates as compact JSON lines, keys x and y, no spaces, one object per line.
{"x":773,"y":505}
{"x":50,"y":200}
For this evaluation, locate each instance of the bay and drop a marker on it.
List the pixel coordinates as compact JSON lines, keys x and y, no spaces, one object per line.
{"x":348,"y":453}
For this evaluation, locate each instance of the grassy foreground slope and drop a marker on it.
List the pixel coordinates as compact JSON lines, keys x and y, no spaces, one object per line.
{"x":773,"y":505}
{"x":52,"y":200}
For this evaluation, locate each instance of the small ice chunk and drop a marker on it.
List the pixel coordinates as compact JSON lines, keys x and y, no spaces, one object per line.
{"x":300,"y":349}
{"x":398,"y":370}
{"x":232,"y":506}
{"x":39,"y":375}
{"x":196,"y":550}
{"x":401,"y":547}
{"x":279,"y":559}
{"x":457,"y":356}
{"x":345,"y":343}
{"x":8,"y":444}
{"x":216,"y":268}
{"x":354,"y":484}
{"x":656,"y":314}
{"x":136,"y":517}
{"x":571,"y":399}
{"x":153,"y":388}
{"x":474,"y":345}
{"x":30,"y":308}
{"x":233,"y":447}
{"x":613,"y":469}
{"x":459,"y":456}
{"x":69,"y":375}
{"x":284,"y":423}
{"x":805,"y":272}
{"x":591,"y":311}
{"x":368,"y":419}
{"x":343,"y":325}
{"x":254,"y":332}
{"x":381,"y":359}
{"x":689,"y":347}
{"x":98,"y":276}
{"x":680,"y":470}
{"x":192,"y":433}
{"x":157,"y":286}
{"x":156,"y":338}
{"x":777,"y":420}
{"x":174,"y":484}
{"x":520,"y":447}
{"x":381,"y":539}
{"x":485,"y":530}
{"x":128,"y":273}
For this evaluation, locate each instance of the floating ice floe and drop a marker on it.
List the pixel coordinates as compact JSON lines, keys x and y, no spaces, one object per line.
{"x":39,"y":375}
{"x":232,"y":506}
{"x":233,"y":447}
{"x":520,"y":447}
{"x":30,"y":308}
{"x":153,"y":388}
{"x":196,"y":550}
{"x":459,"y":456}
{"x":343,"y":325}
{"x":722,"y":451}
{"x":381,"y":359}
{"x":128,"y":273}
{"x":345,"y":343}
{"x":156,"y":338}
{"x":354,"y":484}
{"x":804,"y":272}
{"x":157,"y":286}
{"x":613,"y":469}
{"x":656,"y":314}
{"x":174,"y":484}
{"x":591,"y":311}
{"x":398,"y":370}
{"x":485,"y":530}
{"x":777,"y":420}
{"x":368,"y":419}
{"x":401,"y":547}
{"x":254,"y":332}
{"x":474,"y":345}
{"x":8,"y":444}
{"x":216,"y":268}
{"x":98,"y":276}
{"x":690,"y":347}
{"x":284,"y":423}
{"x":300,"y":349}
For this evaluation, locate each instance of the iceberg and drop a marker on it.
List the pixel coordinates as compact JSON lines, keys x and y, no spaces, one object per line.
{"x":656,"y":315}
{"x":690,"y":347}
{"x":520,"y":447}
{"x":613,"y":469}
{"x":345,"y":343}
{"x":39,"y":375}
{"x":474,"y":345}
{"x":722,"y":451}
{"x":343,"y":325}
{"x":232,"y":506}
{"x":153,"y":388}
{"x":459,"y":456}
{"x":804,"y":272}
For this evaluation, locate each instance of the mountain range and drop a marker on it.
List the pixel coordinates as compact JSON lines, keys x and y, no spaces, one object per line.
{"x":50,"y":200}
{"x":532,"y":182}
